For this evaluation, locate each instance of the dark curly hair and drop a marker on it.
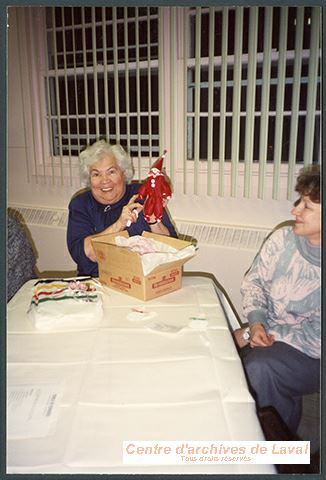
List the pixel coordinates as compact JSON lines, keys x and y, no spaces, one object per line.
{"x":308,"y":183}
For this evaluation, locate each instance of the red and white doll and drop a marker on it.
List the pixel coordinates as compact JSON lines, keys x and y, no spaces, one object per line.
{"x":155,"y":191}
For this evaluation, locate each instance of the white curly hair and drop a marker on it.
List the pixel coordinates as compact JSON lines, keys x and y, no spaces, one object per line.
{"x":96,"y":151}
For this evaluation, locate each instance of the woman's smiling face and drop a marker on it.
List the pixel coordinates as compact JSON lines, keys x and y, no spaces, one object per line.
{"x":108,"y":183}
{"x":307,"y":219}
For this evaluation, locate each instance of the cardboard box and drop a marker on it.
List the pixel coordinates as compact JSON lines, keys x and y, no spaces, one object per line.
{"x":121,"y":269}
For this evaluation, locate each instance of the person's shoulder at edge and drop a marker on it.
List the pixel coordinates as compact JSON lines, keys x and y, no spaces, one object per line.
{"x":17,"y":233}
{"x":13,"y":224}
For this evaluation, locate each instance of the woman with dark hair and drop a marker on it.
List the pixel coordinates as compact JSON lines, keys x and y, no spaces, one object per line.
{"x":281,"y":303}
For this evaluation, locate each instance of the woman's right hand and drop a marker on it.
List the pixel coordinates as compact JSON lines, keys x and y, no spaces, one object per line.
{"x":259,"y":337}
{"x":129,"y":213}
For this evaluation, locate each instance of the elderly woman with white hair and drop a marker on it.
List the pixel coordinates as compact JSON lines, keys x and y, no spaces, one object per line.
{"x":108,"y":205}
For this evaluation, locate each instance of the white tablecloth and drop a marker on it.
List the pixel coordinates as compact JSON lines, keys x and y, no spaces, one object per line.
{"x":122,"y":381}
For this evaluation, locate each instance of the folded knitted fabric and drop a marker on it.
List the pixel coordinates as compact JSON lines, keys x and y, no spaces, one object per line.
{"x":64,"y":304}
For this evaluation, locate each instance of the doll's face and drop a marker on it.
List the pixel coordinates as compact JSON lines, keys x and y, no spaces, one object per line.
{"x":108,"y":183}
{"x":155,"y":171}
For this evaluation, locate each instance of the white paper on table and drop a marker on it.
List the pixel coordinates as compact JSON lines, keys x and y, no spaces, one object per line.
{"x":162,"y":327}
{"x":32,"y":410}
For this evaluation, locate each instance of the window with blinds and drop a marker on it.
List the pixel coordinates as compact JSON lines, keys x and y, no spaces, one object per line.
{"x":102,"y":78}
{"x":253,"y":90}
{"x":233,"y":93}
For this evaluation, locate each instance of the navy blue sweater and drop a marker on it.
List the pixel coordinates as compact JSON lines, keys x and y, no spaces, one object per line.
{"x":89,"y":217}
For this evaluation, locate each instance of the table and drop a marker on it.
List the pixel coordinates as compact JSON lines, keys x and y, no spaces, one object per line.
{"x":122,"y":381}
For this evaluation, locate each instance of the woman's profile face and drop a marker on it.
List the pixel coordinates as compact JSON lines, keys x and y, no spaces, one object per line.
{"x":307,"y":219}
{"x":107,"y":180}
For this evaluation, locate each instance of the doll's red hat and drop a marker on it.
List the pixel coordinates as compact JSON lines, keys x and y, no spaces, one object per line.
{"x":159,"y":162}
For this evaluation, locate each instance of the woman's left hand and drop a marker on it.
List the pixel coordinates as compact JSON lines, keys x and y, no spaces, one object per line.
{"x":259,"y":337}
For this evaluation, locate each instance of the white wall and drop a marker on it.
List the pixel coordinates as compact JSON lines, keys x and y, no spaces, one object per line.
{"x":228,"y":265}
{"x":50,"y":244}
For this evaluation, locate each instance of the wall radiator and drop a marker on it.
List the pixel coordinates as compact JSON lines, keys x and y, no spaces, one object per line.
{"x":223,"y":235}
{"x":41,"y":216}
{"x":230,"y":236}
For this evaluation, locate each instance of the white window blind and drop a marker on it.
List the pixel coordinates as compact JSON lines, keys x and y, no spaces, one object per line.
{"x":253,"y":93}
{"x":233,"y":93}
{"x":102,"y":78}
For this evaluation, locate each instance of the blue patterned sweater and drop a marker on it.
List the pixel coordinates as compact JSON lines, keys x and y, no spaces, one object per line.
{"x":282,"y":291}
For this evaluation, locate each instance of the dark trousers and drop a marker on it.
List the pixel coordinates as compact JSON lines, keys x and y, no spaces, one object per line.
{"x":279,"y":375}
